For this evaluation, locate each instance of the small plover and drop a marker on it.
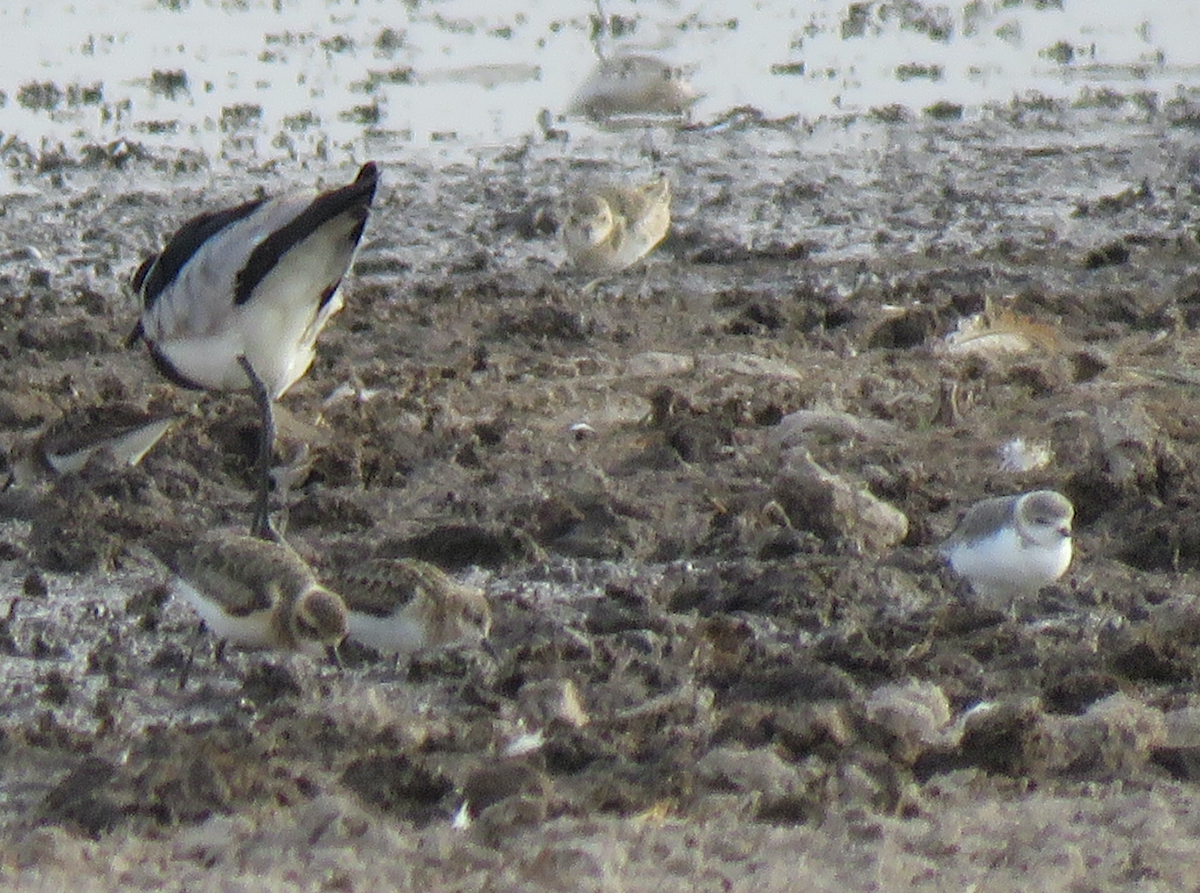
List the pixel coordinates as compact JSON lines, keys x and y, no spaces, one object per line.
{"x":255,"y":592}
{"x":238,"y":297}
{"x":614,"y":227}
{"x":66,"y":445}
{"x":1012,"y":546}
{"x":398,"y":606}
{"x":633,"y":85}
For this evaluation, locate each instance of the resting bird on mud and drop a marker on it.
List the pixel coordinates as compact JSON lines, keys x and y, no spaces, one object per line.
{"x":613,"y":227}
{"x":1011,"y":546}
{"x":633,"y":85}
{"x":70,"y":442}
{"x":237,"y":298}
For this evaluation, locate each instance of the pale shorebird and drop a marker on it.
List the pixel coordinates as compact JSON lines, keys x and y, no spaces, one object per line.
{"x":238,"y":297}
{"x":613,"y":227}
{"x":254,"y":592}
{"x":633,"y":85}
{"x":398,"y":606}
{"x":1012,"y":546}
{"x":67,"y":444}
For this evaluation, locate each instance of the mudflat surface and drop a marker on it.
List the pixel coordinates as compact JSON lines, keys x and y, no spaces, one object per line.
{"x":727,"y":655}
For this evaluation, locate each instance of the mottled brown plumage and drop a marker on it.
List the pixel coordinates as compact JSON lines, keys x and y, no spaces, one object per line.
{"x":613,"y":227}
{"x":66,"y":445}
{"x":256,"y":592}
{"x":400,"y":605}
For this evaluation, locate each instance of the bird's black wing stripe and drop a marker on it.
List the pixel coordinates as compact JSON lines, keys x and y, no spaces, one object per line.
{"x":140,"y":276}
{"x":135,"y":336}
{"x":169,"y":372}
{"x":354,"y":199}
{"x":154,"y":279}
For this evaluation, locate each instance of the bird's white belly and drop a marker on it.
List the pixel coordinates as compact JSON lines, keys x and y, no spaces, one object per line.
{"x":1004,"y":562}
{"x":211,"y":361}
{"x":252,"y":629}
{"x":394,"y":634}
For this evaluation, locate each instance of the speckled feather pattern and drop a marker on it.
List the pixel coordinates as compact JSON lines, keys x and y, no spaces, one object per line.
{"x":397,"y":606}
{"x":259,"y":593}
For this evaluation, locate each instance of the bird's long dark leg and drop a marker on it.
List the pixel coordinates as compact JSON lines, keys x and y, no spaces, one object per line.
{"x":260,"y":523}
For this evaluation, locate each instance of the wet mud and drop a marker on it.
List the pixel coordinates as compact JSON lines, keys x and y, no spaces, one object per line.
{"x":704,"y":498}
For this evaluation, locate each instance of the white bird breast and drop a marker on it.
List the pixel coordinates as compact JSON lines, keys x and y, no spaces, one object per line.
{"x":1005,"y":561}
{"x":251,"y":629}
{"x":395,"y":633}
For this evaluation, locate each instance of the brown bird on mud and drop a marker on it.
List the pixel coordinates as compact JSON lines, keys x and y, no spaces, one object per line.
{"x":400,"y":605}
{"x":633,"y":85}
{"x":253,"y":592}
{"x":613,"y":227}
{"x":67,"y":444}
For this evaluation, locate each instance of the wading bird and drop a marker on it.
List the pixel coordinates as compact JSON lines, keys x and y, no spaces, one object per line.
{"x":237,"y":298}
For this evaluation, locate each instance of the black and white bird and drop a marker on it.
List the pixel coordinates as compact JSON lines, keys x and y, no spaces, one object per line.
{"x":237,"y":298}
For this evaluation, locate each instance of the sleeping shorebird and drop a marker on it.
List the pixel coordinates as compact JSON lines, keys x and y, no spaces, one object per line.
{"x":1012,"y":546}
{"x":238,"y":297}
{"x":254,"y":592}
{"x":400,"y":605}
{"x":65,"y":446}
{"x":633,"y":85}
{"x":614,"y":227}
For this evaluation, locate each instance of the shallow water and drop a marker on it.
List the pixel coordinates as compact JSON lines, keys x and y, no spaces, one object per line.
{"x":249,"y":81}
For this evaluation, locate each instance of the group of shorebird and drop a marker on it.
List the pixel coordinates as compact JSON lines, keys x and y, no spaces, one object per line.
{"x":236,"y":300}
